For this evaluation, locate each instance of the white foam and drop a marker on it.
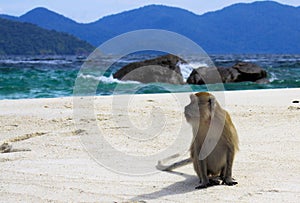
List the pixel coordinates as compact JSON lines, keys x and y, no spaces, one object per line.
{"x":273,"y":77}
{"x":186,"y":69}
{"x":107,"y":80}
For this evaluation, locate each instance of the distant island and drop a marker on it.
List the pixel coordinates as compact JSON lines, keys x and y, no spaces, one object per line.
{"x":264,"y":27}
{"x":18,"y":38}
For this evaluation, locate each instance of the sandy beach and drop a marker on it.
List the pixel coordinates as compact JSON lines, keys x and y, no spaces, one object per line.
{"x":60,"y":167}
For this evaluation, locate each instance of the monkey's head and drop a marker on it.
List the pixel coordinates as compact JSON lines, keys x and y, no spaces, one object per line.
{"x":202,"y":106}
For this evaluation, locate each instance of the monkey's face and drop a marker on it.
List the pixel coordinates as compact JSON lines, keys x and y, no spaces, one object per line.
{"x":191,"y":111}
{"x":201,"y":106}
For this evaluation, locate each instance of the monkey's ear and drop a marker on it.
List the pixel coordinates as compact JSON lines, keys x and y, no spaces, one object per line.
{"x":193,"y":97}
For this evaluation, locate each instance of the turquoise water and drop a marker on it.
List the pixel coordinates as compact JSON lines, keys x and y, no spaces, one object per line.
{"x":47,"y":77}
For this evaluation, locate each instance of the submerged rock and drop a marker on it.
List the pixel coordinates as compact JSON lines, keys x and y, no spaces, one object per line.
{"x":164,"y":69}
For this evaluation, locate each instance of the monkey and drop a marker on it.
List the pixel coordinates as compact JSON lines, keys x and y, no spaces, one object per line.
{"x":202,"y":112}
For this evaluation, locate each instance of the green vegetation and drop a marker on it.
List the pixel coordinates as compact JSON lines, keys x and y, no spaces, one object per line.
{"x":18,"y":38}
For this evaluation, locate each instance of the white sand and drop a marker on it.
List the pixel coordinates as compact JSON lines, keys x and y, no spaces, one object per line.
{"x":58,"y":168}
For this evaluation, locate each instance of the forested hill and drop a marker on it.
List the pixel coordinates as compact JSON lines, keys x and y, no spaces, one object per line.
{"x":17,"y":38}
{"x":258,"y":27}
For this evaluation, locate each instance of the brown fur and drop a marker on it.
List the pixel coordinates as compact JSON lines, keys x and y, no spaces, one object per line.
{"x":204,"y":111}
{"x":201,"y":113}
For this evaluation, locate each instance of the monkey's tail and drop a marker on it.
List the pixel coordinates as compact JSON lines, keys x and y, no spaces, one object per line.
{"x":162,"y":167}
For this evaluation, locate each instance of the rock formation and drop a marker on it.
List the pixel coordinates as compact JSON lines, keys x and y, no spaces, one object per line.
{"x":163,"y":69}
{"x":240,"y":72}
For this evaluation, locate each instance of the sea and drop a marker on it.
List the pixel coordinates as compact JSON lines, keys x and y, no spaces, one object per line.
{"x":23,"y":77}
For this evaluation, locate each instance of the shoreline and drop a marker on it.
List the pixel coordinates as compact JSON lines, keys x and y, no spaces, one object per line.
{"x":225,"y":91}
{"x":59,"y":169}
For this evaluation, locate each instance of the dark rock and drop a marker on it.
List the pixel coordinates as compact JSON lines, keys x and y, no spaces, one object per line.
{"x":210,"y":75}
{"x":249,"y":72}
{"x":262,"y":81}
{"x":204,"y":75}
{"x":240,"y":72}
{"x":164,"y":69}
{"x":228,"y":75}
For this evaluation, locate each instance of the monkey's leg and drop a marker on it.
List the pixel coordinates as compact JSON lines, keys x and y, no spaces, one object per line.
{"x":227,"y":172}
{"x":202,"y":167}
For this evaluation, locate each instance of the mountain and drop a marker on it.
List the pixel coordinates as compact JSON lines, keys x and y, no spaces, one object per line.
{"x":149,"y":17}
{"x":259,"y":27}
{"x":52,"y":21}
{"x":8,"y":17}
{"x":48,"y":19}
{"x":17,"y":38}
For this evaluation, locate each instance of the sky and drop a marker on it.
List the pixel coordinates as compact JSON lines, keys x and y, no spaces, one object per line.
{"x":85,"y":11}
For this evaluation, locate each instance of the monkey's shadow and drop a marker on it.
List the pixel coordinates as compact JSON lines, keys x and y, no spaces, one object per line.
{"x":185,"y":186}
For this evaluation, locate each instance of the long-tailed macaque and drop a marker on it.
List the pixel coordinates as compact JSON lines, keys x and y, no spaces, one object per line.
{"x":211,"y":124}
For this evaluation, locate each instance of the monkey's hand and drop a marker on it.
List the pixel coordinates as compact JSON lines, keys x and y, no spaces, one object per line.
{"x":211,"y":182}
{"x":204,"y":185}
